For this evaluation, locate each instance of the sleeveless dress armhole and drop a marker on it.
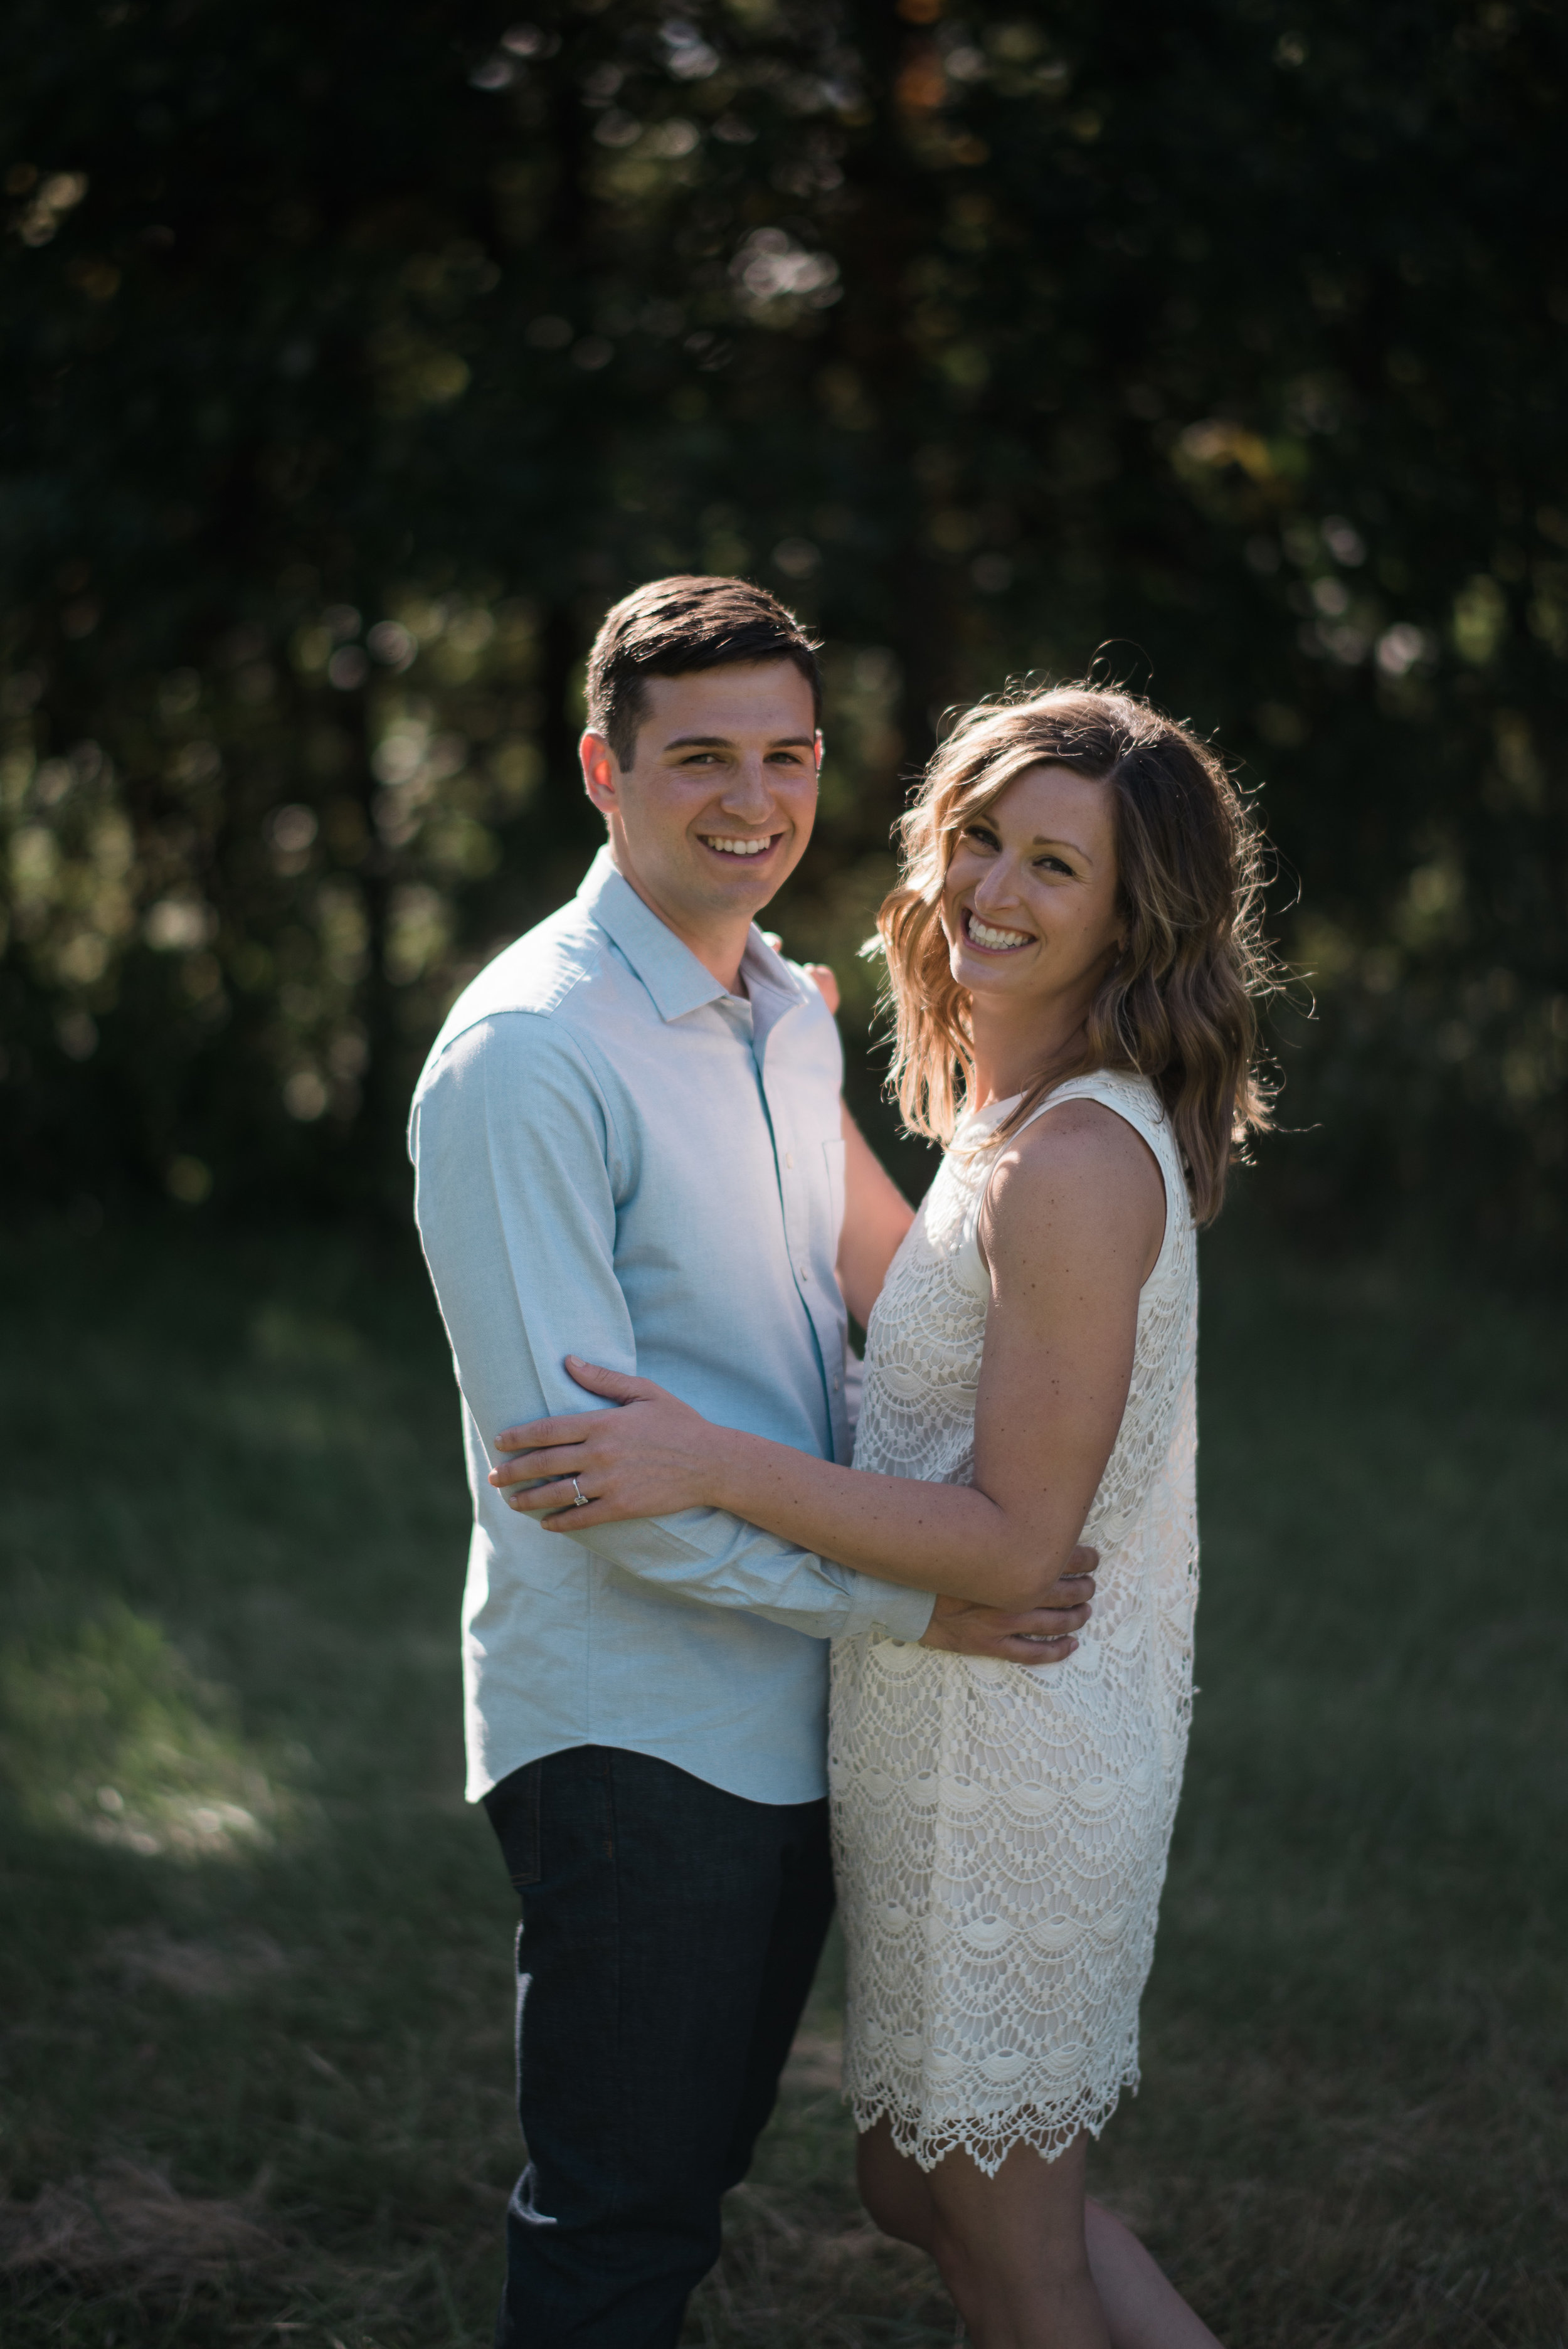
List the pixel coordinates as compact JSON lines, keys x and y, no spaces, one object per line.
{"x":1111,"y":1090}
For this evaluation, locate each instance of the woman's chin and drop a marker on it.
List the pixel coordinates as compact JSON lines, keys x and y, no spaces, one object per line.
{"x":983,"y":973}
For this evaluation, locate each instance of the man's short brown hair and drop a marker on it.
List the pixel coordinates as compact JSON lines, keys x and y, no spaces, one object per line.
{"x":672,"y":626}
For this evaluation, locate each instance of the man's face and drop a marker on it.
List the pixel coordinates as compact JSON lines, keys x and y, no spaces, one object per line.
{"x":715,"y":810}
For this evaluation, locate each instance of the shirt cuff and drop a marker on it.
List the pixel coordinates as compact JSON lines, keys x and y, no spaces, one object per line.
{"x":891,"y":1612}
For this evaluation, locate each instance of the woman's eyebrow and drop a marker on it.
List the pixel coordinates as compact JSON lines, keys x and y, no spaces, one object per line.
{"x":1040,"y":841}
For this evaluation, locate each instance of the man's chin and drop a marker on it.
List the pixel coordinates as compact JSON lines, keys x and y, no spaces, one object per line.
{"x":746,"y":881}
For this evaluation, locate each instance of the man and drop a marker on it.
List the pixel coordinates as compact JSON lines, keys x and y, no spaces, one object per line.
{"x":630,"y":1146}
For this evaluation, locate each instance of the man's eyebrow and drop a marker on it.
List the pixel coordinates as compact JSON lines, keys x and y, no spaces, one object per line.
{"x":726,"y":742}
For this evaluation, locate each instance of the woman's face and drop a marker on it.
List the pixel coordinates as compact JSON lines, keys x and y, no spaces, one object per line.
{"x":1030,"y":907}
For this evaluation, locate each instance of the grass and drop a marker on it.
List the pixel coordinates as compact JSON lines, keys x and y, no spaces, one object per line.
{"x":255,"y":1967}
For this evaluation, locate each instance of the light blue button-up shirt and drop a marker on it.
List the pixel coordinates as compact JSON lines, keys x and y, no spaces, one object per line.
{"x":617,"y":1159}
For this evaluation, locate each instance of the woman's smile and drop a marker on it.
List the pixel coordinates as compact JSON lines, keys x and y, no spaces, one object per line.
{"x":991,"y":938}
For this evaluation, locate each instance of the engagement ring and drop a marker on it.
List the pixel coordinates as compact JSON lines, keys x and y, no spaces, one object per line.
{"x":582,"y":1500}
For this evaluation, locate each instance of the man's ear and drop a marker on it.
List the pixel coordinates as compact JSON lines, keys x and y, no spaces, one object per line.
{"x":601,"y":772}
{"x":817,"y":749}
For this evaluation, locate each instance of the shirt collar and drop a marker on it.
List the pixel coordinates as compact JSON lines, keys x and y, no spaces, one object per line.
{"x":773,"y":988}
{"x":669,"y":970}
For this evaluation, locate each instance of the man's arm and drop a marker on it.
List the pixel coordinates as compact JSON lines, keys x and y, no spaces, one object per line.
{"x":876,"y":1212}
{"x":514,"y":1144}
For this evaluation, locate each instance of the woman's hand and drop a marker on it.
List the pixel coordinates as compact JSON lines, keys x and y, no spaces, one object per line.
{"x":649,"y":1457}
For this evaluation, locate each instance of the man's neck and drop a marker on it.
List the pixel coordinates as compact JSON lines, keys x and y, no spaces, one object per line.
{"x":719,"y":945}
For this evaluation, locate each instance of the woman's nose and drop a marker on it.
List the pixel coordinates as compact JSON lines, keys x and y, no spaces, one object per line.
{"x":998,"y":884}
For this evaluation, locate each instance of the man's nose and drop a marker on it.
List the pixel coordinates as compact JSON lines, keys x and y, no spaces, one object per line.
{"x":749,"y":792}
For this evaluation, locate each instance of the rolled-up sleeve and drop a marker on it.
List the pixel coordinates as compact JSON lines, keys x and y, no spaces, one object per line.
{"x":517,"y":1160}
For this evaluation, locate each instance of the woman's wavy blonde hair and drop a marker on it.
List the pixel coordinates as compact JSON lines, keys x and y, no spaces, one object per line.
{"x":1178,"y":1004}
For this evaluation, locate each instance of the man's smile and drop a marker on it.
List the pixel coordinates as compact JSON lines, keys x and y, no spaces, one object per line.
{"x":732,"y":844}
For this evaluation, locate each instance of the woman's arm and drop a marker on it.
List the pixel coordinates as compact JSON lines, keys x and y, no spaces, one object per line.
{"x":1072,"y":1227}
{"x":876,"y":1217}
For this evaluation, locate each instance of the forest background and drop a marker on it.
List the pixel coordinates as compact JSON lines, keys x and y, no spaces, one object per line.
{"x":354,"y":360}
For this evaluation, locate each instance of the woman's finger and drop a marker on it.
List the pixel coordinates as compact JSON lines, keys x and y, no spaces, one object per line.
{"x":530,"y":1467}
{"x":556,"y":1505}
{"x":577,"y":1521}
{"x":601,"y":1512}
{"x":537,"y":1500}
{"x":619,"y":1386}
{"x":569,"y":1428}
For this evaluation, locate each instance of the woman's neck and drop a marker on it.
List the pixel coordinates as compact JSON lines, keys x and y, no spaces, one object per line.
{"x":1017,"y":1044}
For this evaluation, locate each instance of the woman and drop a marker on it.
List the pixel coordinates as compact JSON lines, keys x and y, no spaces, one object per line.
{"x":1072,"y":958}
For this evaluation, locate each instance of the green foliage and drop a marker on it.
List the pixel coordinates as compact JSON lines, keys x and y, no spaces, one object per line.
{"x":351,"y":368}
{"x":1350,"y":2132}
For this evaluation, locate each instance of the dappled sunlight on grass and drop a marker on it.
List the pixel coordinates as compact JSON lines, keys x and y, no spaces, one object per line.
{"x":106,"y":1732}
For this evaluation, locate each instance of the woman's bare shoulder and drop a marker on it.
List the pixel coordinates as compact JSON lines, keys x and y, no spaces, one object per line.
{"x":1078,"y":1174}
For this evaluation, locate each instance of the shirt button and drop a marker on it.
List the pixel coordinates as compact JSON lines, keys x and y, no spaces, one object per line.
{"x":838,"y":1382}
{"x":789,"y":1158}
{"x":805,"y":1272}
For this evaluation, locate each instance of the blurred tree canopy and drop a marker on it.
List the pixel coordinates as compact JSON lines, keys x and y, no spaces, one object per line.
{"x":355,"y":359}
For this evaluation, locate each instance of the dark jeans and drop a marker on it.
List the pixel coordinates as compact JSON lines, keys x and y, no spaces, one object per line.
{"x":670,"y":1932}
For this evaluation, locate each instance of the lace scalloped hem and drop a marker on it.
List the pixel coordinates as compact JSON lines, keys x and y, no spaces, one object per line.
{"x":986,"y":2140}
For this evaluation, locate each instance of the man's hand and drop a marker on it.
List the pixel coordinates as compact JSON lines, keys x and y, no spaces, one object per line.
{"x":820,"y":973}
{"x":1043,"y":1635}
{"x":822,"y":979}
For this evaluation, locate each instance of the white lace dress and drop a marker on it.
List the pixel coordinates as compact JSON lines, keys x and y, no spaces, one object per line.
{"x":1001,"y":1831}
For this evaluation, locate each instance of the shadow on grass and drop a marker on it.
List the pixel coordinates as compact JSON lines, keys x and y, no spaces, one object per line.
{"x":256,"y":1970}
